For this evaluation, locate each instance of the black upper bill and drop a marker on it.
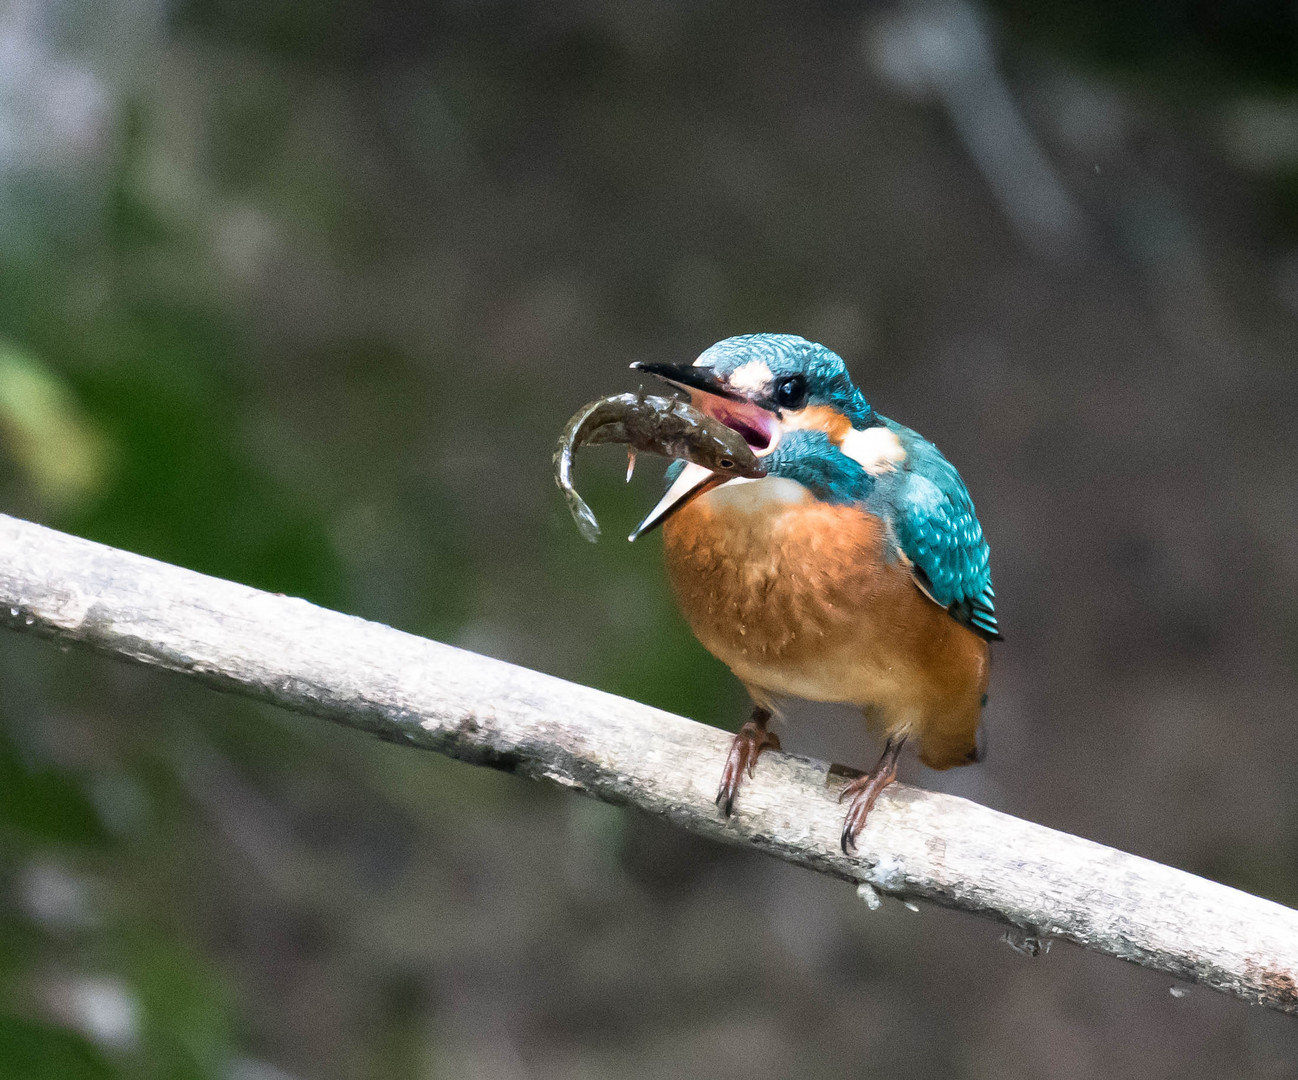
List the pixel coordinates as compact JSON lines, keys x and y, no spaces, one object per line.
{"x":689,"y":377}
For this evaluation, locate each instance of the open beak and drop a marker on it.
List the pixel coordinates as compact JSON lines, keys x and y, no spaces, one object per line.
{"x":693,"y":481}
{"x":709,"y":395}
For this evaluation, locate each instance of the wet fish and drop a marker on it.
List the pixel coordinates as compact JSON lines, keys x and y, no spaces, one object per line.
{"x":653,"y":425}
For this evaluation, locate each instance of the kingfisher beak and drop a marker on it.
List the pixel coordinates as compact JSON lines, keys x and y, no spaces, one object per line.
{"x":689,"y":377}
{"x":754,"y":418}
{"x":709,"y":394}
{"x":693,"y":481}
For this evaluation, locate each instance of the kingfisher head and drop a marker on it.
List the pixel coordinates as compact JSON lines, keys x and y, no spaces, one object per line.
{"x":763,"y":384}
{"x":792,"y":400}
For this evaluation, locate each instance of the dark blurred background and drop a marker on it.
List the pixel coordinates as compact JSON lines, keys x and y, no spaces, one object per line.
{"x":300,"y":293}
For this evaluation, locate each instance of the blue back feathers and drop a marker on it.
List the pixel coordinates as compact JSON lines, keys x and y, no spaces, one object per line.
{"x":936,"y":528}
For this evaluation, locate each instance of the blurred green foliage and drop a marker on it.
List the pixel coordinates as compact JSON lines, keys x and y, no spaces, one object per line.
{"x":64,"y":457}
{"x":32,"y":1051}
{"x":41,"y":805}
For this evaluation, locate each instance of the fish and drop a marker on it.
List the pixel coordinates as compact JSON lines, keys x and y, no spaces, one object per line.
{"x":649,"y":424}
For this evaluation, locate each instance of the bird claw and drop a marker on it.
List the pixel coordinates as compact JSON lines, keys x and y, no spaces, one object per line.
{"x":726,"y":798}
{"x":746,"y":748}
{"x":854,"y":823}
{"x":863,"y":791}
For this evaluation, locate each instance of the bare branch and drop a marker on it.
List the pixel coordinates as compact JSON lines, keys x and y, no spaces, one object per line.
{"x":917,"y":845}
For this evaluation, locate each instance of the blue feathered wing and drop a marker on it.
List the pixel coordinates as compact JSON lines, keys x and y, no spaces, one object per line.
{"x":939,"y":533}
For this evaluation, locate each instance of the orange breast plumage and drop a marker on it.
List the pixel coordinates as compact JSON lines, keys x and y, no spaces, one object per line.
{"x":806,"y":599}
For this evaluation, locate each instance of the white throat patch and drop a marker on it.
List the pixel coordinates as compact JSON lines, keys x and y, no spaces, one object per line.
{"x":757,"y":495}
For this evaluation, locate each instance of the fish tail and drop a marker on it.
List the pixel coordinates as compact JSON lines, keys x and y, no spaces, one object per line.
{"x":582,"y":515}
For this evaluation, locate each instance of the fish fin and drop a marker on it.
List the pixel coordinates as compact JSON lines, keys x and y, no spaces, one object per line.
{"x":630,"y":464}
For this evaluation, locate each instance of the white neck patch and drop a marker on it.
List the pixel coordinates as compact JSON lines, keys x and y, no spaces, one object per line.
{"x":876,"y":449}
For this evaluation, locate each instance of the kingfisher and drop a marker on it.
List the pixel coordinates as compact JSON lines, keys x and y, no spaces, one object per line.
{"x":854,"y":571}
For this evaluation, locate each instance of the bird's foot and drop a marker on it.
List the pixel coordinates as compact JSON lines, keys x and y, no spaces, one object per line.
{"x":864,"y":790}
{"x":747,"y":746}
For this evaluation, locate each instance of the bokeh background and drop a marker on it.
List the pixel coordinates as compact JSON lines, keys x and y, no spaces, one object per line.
{"x":300,"y":292}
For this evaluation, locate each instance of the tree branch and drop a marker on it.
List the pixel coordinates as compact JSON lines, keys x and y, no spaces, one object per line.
{"x":917,"y":845}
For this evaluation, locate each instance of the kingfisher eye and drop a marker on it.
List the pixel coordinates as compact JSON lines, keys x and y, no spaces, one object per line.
{"x":791,"y":392}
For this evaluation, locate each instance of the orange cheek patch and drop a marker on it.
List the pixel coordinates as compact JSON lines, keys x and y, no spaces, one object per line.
{"x":818,"y":418}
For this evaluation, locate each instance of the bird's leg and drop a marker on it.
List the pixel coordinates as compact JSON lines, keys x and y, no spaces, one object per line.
{"x":747,"y":746}
{"x":865,"y":789}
